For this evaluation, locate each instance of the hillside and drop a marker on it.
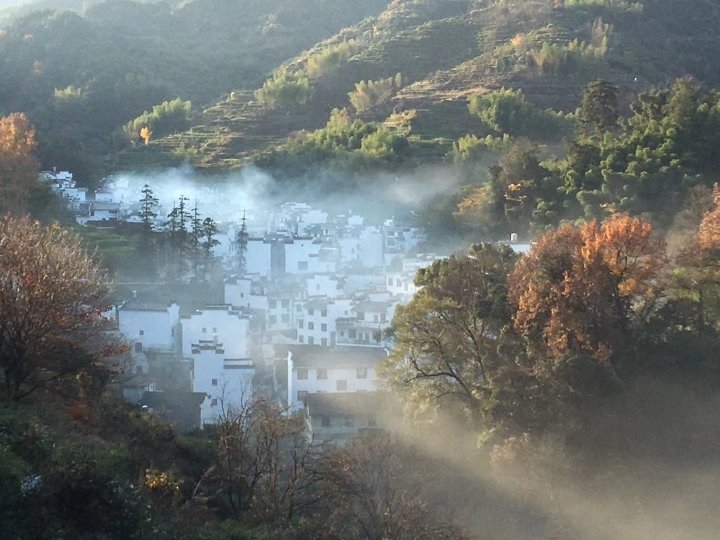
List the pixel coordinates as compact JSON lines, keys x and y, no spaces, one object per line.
{"x":81,"y":76}
{"x":447,"y":51}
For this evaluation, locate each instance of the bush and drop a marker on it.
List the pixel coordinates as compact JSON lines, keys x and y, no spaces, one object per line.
{"x":367,"y":94}
{"x":507,"y":111}
{"x":285,"y":90}
{"x":168,"y":117}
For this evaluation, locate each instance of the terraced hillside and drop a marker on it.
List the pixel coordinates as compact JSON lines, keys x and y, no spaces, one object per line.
{"x":448,"y":50}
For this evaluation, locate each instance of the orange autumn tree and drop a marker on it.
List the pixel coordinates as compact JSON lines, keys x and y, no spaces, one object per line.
{"x":18,"y":166}
{"x":580,"y":288}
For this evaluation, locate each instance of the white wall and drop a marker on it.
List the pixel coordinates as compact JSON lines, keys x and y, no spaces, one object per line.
{"x":227,"y":327}
{"x":155,"y":329}
{"x":313,"y":385}
{"x":257,"y":257}
{"x":227,"y":384}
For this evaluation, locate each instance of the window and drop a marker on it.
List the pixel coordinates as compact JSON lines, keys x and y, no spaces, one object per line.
{"x":389,"y":281}
{"x":172,"y":332}
{"x":311,"y":311}
{"x":214,"y":330}
{"x":302,"y":395}
{"x":273,"y":304}
{"x":301,"y":324}
{"x":213,"y":403}
{"x":311,"y":326}
{"x":285,"y":318}
{"x":360,"y":316}
{"x":383,"y":317}
{"x":311,"y":340}
{"x":341,"y":386}
{"x":323,"y":342}
{"x":298,"y":307}
{"x":204,"y":330}
{"x":272,"y":319}
{"x":323,"y":313}
{"x":302,"y":265}
{"x":361,"y":373}
{"x":285,"y":303}
{"x":138,"y":347}
{"x":302,"y":373}
{"x":323,"y":327}
{"x":214,"y":382}
{"x":322,"y":373}
{"x":142,"y":332}
{"x":301,"y":339}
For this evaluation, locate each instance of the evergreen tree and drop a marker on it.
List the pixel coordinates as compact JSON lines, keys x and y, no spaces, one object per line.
{"x":241,"y":242}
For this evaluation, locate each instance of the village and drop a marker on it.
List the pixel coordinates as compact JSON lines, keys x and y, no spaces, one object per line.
{"x":308,"y":302}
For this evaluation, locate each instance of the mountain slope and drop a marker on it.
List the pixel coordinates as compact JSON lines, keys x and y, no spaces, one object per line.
{"x":449,"y":50}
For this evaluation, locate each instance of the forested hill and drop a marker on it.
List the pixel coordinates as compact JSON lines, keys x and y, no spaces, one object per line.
{"x":425,"y":58}
{"x":81,"y":76}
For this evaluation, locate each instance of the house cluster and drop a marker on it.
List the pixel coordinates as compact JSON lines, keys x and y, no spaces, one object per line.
{"x":309,"y":298}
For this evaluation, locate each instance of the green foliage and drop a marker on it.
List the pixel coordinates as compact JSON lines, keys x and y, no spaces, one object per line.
{"x":168,"y":117}
{"x":330,"y":58}
{"x":285,"y":90}
{"x":368,"y":94}
{"x":345,"y":143}
{"x":507,"y":111}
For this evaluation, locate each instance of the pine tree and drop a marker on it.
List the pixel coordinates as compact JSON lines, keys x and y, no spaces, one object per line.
{"x":241,"y":242}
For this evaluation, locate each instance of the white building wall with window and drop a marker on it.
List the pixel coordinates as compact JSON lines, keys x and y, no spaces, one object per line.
{"x":312,"y":380}
{"x":316,"y":324}
{"x":219,"y":324}
{"x":156,"y":327}
{"x":258,"y":257}
{"x":227,"y":383}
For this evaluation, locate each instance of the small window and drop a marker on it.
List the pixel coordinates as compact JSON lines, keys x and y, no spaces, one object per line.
{"x":214,"y":382}
{"x":204,"y":330}
{"x":214,"y":330}
{"x":322,"y":373}
{"x":172,"y":332}
{"x":302,"y":395}
{"x":298,"y":307}
{"x":341,"y":386}
{"x":285,"y":303}
{"x":323,"y":327}
{"x":323,"y":313}
{"x":138,"y":347}
{"x":142,"y":332}
{"x":361,"y":373}
{"x":301,"y":324}
{"x":273,"y":304}
{"x":302,"y":373}
{"x":301,"y":339}
{"x":213,"y":403}
{"x":311,"y":311}
{"x":311,"y":326}
{"x":311,"y":340}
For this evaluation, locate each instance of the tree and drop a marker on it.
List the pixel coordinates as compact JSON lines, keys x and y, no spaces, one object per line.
{"x":449,"y":337}
{"x":598,"y":112}
{"x":209,"y":231}
{"x":374,"y":485}
{"x":18,"y":166}
{"x":50,"y":304}
{"x":241,"y":243}
{"x":580,"y":290}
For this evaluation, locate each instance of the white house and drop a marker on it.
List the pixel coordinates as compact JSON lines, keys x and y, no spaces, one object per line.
{"x":226,"y":381}
{"x":217,"y":324}
{"x":154,"y":327}
{"x":338,"y":417}
{"x":316,"y":323}
{"x":312,"y":370}
{"x":401,"y":283}
{"x":366,"y":324}
{"x":305,"y":255}
{"x":258,"y":257}
{"x":327,"y":285}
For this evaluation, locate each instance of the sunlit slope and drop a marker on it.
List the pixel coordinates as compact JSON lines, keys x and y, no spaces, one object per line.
{"x":448,"y":50}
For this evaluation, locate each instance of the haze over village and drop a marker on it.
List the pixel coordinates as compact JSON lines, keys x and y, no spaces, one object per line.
{"x":308,"y":301}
